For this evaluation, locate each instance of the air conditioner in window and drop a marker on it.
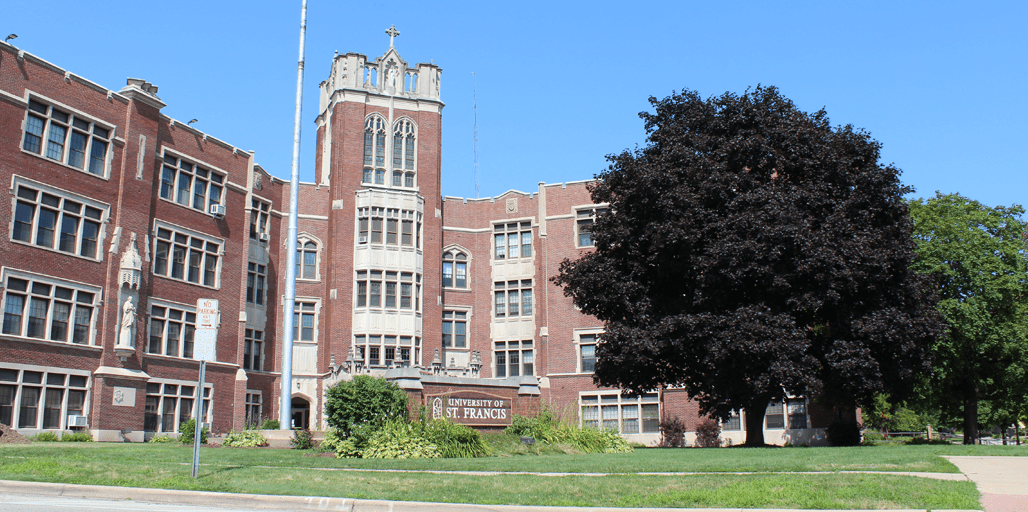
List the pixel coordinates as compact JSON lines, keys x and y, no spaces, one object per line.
{"x":263,"y":237}
{"x":217,"y":210}
{"x":75,"y":420}
{"x":363,"y":239}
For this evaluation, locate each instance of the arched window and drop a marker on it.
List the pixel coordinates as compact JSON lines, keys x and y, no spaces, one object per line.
{"x":404,"y":136}
{"x":374,"y":150}
{"x":306,"y":259}
{"x":455,"y":269}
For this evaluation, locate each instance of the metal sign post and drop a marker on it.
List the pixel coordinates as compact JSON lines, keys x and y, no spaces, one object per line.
{"x":205,"y":341}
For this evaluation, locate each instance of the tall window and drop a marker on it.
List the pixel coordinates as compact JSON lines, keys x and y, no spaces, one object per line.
{"x":587,"y":352}
{"x":48,"y":309}
{"x":256,"y":277}
{"x":585,"y":218}
{"x":305,"y":321}
{"x":387,"y":289}
{"x":455,"y":269}
{"x":186,"y":256}
{"x":67,"y":138}
{"x":306,"y":259}
{"x":57,"y":220}
{"x":455,"y":329}
{"x":190,"y":185}
{"x":390,"y":226}
{"x":259,"y":215}
{"x":513,"y":358}
{"x":404,"y":136}
{"x":171,"y":404}
{"x":797,"y":409}
{"x":775,"y":416}
{"x":512,"y":240}
{"x":171,"y":331}
{"x":42,"y":398}
{"x":377,"y":350}
{"x":253,"y":350}
{"x":374,"y":150}
{"x":626,"y":415}
{"x":513,"y":298}
{"x":253,"y":408}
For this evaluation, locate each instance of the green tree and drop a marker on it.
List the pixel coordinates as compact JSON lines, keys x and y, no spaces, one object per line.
{"x":975,"y":255}
{"x":364,"y":401}
{"x":752,"y":251}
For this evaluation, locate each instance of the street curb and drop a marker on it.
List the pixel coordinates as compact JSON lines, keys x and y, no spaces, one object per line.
{"x":321,"y":503}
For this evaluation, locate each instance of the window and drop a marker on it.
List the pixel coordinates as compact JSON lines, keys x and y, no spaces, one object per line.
{"x":513,"y":298}
{"x":403,"y":151}
{"x":186,"y":256}
{"x":389,"y":290}
{"x":774,"y":417}
{"x":306,"y":259}
{"x":171,"y":330}
{"x":253,"y":408}
{"x":38,"y":397}
{"x":169,"y":404}
{"x":70,"y":139}
{"x":455,"y":329}
{"x":513,"y":358}
{"x":190,"y":185}
{"x":379,"y":351}
{"x":455,"y":269}
{"x":797,"y":408}
{"x":256,"y":277}
{"x":734,"y":422}
{"x":626,"y":415}
{"x":259,"y":216}
{"x":58,"y":220}
{"x":374,"y":149}
{"x":389,"y":226}
{"x":584,"y":224}
{"x":587,"y":352}
{"x":49,"y":309}
{"x":513,"y":240}
{"x":305,"y":321}
{"x":253,"y":350}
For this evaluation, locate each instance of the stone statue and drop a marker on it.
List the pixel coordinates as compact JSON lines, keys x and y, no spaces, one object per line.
{"x":392,"y":77}
{"x":128,"y":320}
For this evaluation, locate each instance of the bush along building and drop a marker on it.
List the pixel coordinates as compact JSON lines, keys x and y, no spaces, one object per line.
{"x":121,"y":218}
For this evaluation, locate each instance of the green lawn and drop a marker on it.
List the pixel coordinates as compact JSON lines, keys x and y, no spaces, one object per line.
{"x":266,"y":471}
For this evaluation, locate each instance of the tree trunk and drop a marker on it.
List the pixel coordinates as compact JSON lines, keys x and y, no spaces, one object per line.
{"x":755,"y":422}
{"x":970,"y":413}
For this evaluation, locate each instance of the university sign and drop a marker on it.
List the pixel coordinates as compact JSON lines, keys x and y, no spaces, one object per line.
{"x":471,"y":408}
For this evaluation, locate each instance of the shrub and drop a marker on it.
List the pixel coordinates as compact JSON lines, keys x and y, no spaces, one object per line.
{"x":455,"y":440}
{"x":364,"y":400}
{"x":188,"y":432}
{"x":548,"y":428}
{"x":920,"y":440}
{"x":843,"y":433}
{"x":398,"y":439}
{"x":77,"y":437}
{"x":161,"y":439}
{"x":46,"y":437}
{"x":270,"y":424}
{"x":708,"y":433}
{"x":302,"y":440}
{"x":331,"y":441}
{"x":245,"y":439}
{"x":672,"y":433}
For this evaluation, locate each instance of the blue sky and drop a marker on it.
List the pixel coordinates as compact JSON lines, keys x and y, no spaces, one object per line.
{"x":559,"y":85}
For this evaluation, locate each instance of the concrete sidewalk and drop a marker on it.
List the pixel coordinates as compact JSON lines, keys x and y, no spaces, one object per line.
{"x":1003,"y":481}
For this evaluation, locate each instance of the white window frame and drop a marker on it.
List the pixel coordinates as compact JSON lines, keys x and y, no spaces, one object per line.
{"x":205,"y":253}
{"x":19,"y":385}
{"x":375,"y":155}
{"x":408,"y":132}
{"x":299,"y":311}
{"x":451,"y":256}
{"x":53,"y":283}
{"x":177,"y":397}
{"x":502,"y":246}
{"x":260,"y":217}
{"x":185,"y":311}
{"x":586,"y":338}
{"x":502,"y":364}
{"x":63,"y":196}
{"x":368,"y":280}
{"x":193,"y":171}
{"x":452,"y":317}
{"x":586,"y":216}
{"x":616,"y":411}
{"x":254,"y":403}
{"x":302,"y":250}
{"x":367,"y":230}
{"x":506,"y":290}
{"x":70,"y":127}
{"x":366,"y":344}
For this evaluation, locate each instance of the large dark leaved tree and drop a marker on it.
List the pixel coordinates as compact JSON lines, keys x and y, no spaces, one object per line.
{"x":752,"y":252}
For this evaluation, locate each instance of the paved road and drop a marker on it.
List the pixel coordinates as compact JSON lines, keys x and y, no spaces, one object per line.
{"x":30,"y":503}
{"x":1003,"y":481}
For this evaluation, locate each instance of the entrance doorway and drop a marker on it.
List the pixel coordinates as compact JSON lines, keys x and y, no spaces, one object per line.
{"x":301,"y":413}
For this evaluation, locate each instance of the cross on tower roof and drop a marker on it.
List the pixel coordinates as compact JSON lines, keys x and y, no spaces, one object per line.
{"x":392,"y":33}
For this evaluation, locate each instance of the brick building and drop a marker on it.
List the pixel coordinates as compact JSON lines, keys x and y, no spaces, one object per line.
{"x":121,"y":218}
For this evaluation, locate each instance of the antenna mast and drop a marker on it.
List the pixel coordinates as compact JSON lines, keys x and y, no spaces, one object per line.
{"x":474,"y":96}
